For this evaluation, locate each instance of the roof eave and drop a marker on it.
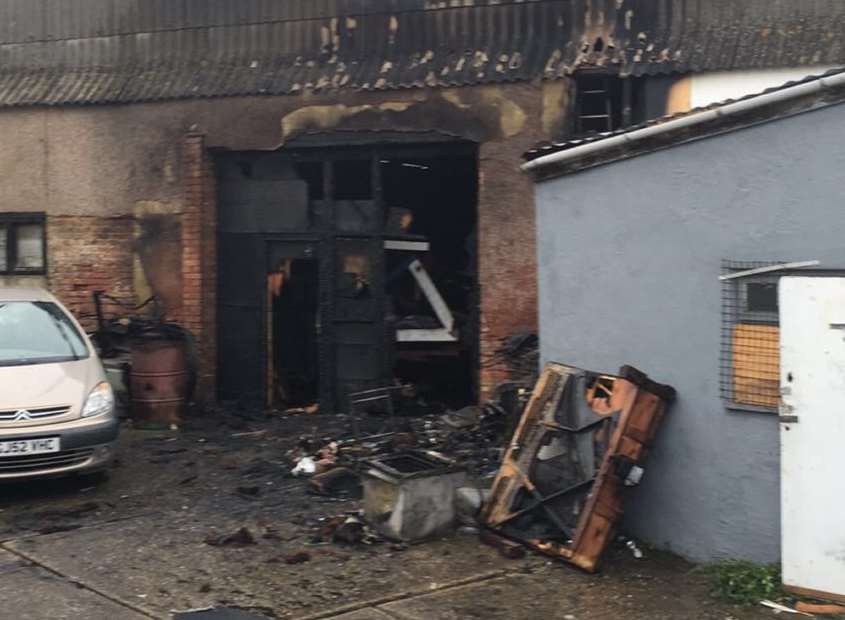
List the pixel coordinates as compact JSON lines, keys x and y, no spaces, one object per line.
{"x":631,"y":139}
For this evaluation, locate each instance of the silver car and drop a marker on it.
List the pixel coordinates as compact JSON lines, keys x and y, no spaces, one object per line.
{"x":56,"y":406}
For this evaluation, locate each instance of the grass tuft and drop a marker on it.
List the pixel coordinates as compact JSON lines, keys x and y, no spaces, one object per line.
{"x":744,"y":583}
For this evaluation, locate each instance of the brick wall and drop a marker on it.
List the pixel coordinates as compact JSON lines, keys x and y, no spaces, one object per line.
{"x":86,"y":254}
{"x":507,"y":264}
{"x":199,"y":260}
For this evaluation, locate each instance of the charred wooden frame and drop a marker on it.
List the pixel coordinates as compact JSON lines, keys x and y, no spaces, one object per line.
{"x":580,"y":442}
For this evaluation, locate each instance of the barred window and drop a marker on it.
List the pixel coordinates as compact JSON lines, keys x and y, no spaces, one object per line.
{"x":750,"y":343}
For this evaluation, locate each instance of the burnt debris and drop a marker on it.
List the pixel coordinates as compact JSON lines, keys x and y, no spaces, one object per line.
{"x":581,"y":441}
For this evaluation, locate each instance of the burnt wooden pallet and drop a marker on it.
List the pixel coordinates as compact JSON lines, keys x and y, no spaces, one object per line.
{"x":561,"y":487}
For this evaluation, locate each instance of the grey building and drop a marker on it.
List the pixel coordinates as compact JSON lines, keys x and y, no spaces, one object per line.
{"x":634,"y":230}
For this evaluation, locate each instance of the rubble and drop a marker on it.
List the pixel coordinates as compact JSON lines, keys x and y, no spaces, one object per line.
{"x":337,"y":481}
{"x":506,"y":548}
{"x":309,"y":410}
{"x":346,"y":529}
{"x":412,"y":471}
{"x":304,"y":467}
{"x":467,"y":417}
{"x":240,"y":538}
{"x":250,"y":492}
{"x":635,"y":550}
{"x":298,"y":557}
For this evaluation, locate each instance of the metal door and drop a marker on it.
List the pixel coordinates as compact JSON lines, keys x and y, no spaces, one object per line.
{"x":359,"y":335}
{"x":812,"y":428}
{"x":240,"y":308}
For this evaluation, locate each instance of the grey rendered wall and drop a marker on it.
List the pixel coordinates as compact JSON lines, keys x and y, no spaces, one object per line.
{"x":629,"y":257}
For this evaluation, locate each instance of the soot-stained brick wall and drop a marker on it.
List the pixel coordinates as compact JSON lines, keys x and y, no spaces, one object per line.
{"x":86,"y":254}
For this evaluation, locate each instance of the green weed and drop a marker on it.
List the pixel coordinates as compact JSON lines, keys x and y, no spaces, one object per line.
{"x":744,"y":583}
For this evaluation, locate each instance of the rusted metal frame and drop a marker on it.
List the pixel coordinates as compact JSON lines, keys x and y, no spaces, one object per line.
{"x":543,"y":500}
{"x":548,"y":387}
{"x":608,"y":461}
{"x":551,"y":514}
{"x":573,"y":430}
{"x":639,"y":403}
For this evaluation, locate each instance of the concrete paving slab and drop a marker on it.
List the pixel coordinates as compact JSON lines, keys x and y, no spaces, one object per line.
{"x":28,"y":592}
{"x":557,"y":592}
{"x":163,"y":564}
{"x":506,"y":598}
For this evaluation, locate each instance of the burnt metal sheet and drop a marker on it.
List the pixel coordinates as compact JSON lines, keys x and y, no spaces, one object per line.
{"x":581,"y":441}
{"x":120,"y":51}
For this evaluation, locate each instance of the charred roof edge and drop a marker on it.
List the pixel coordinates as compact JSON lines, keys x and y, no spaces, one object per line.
{"x":633,"y":137}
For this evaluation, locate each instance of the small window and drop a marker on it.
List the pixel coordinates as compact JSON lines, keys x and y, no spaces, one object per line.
{"x":761,"y":297}
{"x":606,"y":102}
{"x":750,"y":364}
{"x":22,"y":247}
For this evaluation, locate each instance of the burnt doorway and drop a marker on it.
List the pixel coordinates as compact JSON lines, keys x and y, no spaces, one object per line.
{"x":293,"y":326}
{"x":345,"y":268}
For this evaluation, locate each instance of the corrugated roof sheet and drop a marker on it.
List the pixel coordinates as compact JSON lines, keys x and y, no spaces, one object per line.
{"x":547,"y":148}
{"x":117,"y":51}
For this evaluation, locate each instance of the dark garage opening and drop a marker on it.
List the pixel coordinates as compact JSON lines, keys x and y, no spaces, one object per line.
{"x":347,"y":269}
{"x":434,"y":198}
{"x":293,"y":373}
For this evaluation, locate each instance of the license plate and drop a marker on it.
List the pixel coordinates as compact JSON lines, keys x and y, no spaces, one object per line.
{"x":22,"y":447}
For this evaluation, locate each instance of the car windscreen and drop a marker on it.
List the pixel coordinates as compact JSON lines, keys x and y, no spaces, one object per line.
{"x":37,"y":332}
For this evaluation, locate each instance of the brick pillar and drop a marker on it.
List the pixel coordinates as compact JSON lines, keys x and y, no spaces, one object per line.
{"x":507,"y":264}
{"x":199,"y":260}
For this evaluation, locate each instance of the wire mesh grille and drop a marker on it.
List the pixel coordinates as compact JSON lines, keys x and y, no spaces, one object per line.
{"x":750,"y":340}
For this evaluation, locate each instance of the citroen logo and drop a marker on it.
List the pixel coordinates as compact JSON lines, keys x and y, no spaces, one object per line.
{"x":22,"y":414}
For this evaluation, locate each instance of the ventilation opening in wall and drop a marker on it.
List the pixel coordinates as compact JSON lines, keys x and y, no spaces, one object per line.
{"x":750,"y":340}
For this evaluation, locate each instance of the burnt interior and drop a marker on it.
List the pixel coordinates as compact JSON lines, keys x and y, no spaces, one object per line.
{"x":434,"y":198}
{"x":294,"y":299}
{"x":320,"y":252}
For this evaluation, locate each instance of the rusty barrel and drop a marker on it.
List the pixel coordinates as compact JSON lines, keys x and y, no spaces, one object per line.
{"x":158,"y":383}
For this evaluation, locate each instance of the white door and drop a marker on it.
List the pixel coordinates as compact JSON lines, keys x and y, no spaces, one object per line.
{"x":812,"y":431}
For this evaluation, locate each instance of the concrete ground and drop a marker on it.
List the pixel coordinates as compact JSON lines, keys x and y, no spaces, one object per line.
{"x":135,"y":547}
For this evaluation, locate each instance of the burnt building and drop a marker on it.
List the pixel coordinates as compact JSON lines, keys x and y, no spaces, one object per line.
{"x":327,"y":192}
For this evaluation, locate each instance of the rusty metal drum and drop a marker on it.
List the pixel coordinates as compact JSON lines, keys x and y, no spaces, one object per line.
{"x":158,"y":382}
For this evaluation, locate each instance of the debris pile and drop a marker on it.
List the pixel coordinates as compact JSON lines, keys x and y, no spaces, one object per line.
{"x":561,"y":463}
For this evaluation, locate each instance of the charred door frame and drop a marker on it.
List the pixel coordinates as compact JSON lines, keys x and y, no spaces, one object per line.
{"x":325,"y":237}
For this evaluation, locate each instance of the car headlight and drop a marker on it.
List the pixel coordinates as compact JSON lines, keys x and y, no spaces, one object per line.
{"x":99,"y":401}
